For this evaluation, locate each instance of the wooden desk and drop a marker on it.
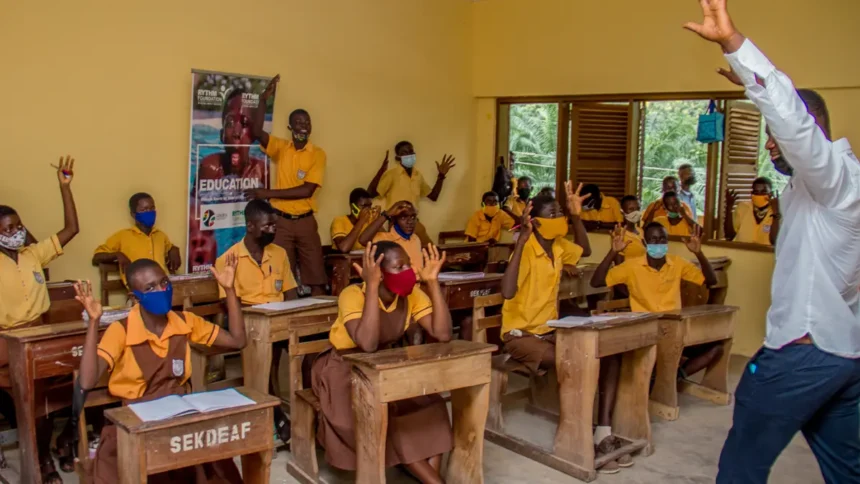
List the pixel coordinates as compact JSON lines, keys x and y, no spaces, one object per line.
{"x":188,"y":291}
{"x":461,"y":294}
{"x":37,"y":353}
{"x":578,"y":353}
{"x":64,"y":307}
{"x":151,"y":447}
{"x":339,"y":269}
{"x":468,"y":254}
{"x":688,"y":327}
{"x":462,"y":367}
{"x":264,"y":327}
{"x":693,"y":295}
{"x":574,"y":287}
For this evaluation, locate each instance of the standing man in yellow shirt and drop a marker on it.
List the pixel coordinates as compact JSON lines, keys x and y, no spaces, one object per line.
{"x":300,"y":170}
{"x":755,"y":221}
{"x":140,"y":241}
{"x":405,"y":182}
{"x":600,"y":211}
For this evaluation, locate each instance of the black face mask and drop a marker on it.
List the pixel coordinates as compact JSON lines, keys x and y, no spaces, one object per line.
{"x":690,"y":181}
{"x":524,"y":193}
{"x":265,"y":239}
{"x":781,"y":165}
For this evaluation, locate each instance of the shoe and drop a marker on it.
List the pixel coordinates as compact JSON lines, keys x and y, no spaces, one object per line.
{"x":610,"y":467}
{"x":625,"y":461}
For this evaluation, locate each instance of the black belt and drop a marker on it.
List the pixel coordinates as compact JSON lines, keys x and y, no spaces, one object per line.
{"x":290,"y":216}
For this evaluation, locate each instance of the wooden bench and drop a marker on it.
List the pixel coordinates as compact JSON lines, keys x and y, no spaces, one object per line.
{"x":109,"y":281}
{"x":461,"y":367}
{"x":146,"y":448}
{"x":452,"y":236}
{"x":687,"y":327}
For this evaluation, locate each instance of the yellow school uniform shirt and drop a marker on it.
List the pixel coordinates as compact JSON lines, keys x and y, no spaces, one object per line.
{"x":350,"y":305}
{"x":746,"y":227}
{"x":259,"y":283}
{"x":483,"y":230}
{"x":610,"y":212}
{"x":683,"y":228}
{"x":126,"y":378}
{"x":660,"y":210}
{"x":636,"y":248}
{"x":23,"y":293}
{"x":341,"y":227}
{"x":515,"y":205}
{"x":536,"y":300}
{"x":294,"y":168}
{"x":396,"y":185}
{"x":412,"y":246}
{"x":137,"y":245}
{"x":651,"y":290}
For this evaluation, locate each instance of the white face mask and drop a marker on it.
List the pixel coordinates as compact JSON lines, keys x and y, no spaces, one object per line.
{"x":633,"y":217}
{"x":408,"y":161}
{"x":15,"y":241}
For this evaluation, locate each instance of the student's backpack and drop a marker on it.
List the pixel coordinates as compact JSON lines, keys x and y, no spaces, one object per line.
{"x":502,"y":183}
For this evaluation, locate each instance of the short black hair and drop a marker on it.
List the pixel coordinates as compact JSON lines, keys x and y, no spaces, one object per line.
{"x":136,"y":198}
{"x":539,"y":202}
{"x":357,"y":194}
{"x":669,"y":194}
{"x":653,"y":226}
{"x":384,"y":247}
{"x":138,"y":266}
{"x":400,"y":144}
{"x":765,"y":180}
{"x":817,"y":107}
{"x":227,"y":98}
{"x":6,"y":210}
{"x":522,"y":179}
{"x":257,"y":208}
{"x":297,"y":112}
{"x":685,"y":166}
{"x":591,"y":188}
{"x":670,"y":177}
{"x":629,"y":198}
{"x":489,"y":194}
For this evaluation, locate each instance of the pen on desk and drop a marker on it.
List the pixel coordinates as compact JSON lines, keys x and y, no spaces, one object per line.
{"x":65,"y":173}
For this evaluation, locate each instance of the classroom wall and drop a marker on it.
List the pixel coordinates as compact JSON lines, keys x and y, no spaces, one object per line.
{"x":109,"y":82}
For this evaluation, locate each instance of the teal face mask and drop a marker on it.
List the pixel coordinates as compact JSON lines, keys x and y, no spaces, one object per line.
{"x":674,"y":214}
{"x":657,"y":251}
{"x":408,"y":161}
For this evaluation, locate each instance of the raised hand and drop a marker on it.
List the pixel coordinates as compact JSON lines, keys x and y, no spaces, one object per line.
{"x":364,"y":215}
{"x":385,"y":161}
{"x":716,"y":25}
{"x":374,"y":212}
{"x":227,"y":275}
{"x":574,"y":200}
{"x":618,"y":242}
{"x":84,"y":295}
{"x":774,"y":203}
{"x":397,"y":209}
{"x":447,"y":164}
{"x":371,"y":269}
{"x":270,"y":87}
{"x":526,"y":222}
{"x":731,"y":198}
{"x":731,"y":76}
{"x":433,"y":263}
{"x":694,"y":241}
{"x":66,"y":170}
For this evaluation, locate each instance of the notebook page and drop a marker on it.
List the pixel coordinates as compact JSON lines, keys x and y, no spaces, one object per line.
{"x":294,"y":304}
{"x":218,"y":400}
{"x":460,"y":276}
{"x":161,"y":409}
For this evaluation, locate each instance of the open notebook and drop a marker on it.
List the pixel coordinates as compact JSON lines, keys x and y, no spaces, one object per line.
{"x":175,"y":406}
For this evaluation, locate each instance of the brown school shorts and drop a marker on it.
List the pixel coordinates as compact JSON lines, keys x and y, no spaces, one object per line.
{"x":301,"y":239}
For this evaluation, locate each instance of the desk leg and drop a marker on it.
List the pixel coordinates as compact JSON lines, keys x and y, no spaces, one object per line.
{"x":664,"y":395}
{"x":470,"y":406}
{"x":340,"y":273}
{"x":131,"y":458}
{"x":630,"y":416}
{"x":578,"y":370}
{"x":23,"y":390}
{"x":371,"y":427}
{"x":257,"y":354}
{"x":256,"y":467}
{"x":715,"y":383}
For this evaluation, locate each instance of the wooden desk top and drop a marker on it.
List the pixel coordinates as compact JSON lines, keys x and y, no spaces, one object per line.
{"x":694,"y":311}
{"x":485,"y":278}
{"x":331,"y":302}
{"x":463,"y":245}
{"x":341,"y":255}
{"x":717,"y":263}
{"x":126,"y":418}
{"x":47,"y":331}
{"x":415,"y":355}
{"x":623,"y":319}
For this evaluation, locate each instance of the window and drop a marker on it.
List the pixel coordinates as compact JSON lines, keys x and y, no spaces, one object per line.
{"x":533,"y":143}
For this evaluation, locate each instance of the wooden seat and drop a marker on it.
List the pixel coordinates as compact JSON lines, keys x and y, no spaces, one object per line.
{"x":107,"y":283}
{"x":452,"y":236}
{"x":612,"y":306}
{"x":97,"y":397}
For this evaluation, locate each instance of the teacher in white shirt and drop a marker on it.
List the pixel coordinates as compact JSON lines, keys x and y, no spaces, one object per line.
{"x":807,"y":376}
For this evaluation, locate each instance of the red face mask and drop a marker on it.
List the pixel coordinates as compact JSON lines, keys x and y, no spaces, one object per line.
{"x":400,"y":283}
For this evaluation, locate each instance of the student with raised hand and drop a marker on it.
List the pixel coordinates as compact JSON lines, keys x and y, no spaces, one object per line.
{"x":531,"y":281}
{"x":148,"y":357}
{"x":140,"y":241}
{"x":346,"y":229}
{"x":402,"y":223}
{"x":753,"y":221}
{"x":806,"y":377}
{"x":600,"y":211}
{"x":632,"y":229}
{"x":654,"y":285}
{"x":677,"y":221}
{"x":486,"y":224}
{"x":374,"y":316}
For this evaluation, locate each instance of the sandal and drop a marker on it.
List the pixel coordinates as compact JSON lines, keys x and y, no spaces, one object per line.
{"x":49,"y":472}
{"x":66,"y":450}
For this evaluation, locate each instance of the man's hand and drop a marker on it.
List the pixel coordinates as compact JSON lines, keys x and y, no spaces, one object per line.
{"x":397,"y":209}
{"x":226,"y":276}
{"x":256,"y":194}
{"x":270,"y":88}
{"x":574,"y":200}
{"x":370,"y":270}
{"x":446,"y":165}
{"x":122,"y":261}
{"x":84,"y":295}
{"x":618,"y":242}
{"x":364,"y":216}
{"x":66,"y":170}
{"x":694,"y":241}
{"x":731,"y":198}
{"x":173,"y":260}
{"x":774,"y":203}
{"x":717,"y":25}
{"x":731,"y":76}
{"x":433,"y":263}
{"x":526,"y":223}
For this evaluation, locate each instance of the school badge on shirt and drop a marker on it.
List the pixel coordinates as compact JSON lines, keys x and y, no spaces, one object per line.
{"x":39,"y":277}
{"x":279,"y":284}
{"x":301,"y":174}
{"x":178,"y":368}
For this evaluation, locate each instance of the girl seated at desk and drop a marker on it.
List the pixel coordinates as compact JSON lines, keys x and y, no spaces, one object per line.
{"x":419,"y":429}
{"x":148,"y":357}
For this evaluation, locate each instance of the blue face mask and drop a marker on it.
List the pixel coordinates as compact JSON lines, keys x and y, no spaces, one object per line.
{"x":657,"y":251}
{"x":156,"y":302}
{"x":147,"y":219}
{"x":401,"y":232}
{"x":408,"y":161}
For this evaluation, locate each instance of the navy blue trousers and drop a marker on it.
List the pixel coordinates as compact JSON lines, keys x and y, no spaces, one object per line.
{"x":796,"y":388}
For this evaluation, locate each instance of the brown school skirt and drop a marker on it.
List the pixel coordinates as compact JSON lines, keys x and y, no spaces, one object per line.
{"x":530,"y":350}
{"x":418,"y":428}
{"x":105,"y":467}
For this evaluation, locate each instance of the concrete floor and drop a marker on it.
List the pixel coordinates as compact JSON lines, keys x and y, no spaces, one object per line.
{"x":687,"y":451}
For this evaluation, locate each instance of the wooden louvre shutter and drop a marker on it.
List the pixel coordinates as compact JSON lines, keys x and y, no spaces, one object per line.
{"x":739,"y":162}
{"x":599,"y":146}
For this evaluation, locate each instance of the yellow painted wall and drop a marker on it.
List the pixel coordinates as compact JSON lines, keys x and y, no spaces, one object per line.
{"x":109,"y":82}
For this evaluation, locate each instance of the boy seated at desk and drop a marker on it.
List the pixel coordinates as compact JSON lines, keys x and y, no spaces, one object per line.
{"x":375,"y":316}
{"x":654,"y":284}
{"x":148,"y":357}
{"x":402,"y":219}
{"x":677,"y":221}
{"x":346,"y":229}
{"x":140,"y":241}
{"x":24,"y":293}
{"x":531,"y":281}
{"x":487,"y":223}
{"x":632,"y":232}
{"x":600,"y":211}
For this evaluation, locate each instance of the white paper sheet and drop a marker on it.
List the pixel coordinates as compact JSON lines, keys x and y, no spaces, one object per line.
{"x":162,"y":408}
{"x":294,"y":304}
{"x":574,"y":321}
{"x":190,"y":277}
{"x":460,"y":276}
{"x":218,"y":400}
